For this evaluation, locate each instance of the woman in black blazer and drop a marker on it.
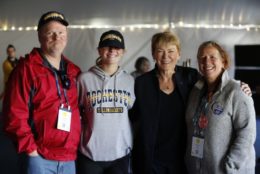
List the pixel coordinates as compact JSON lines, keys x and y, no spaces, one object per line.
{"x":159,"y":110}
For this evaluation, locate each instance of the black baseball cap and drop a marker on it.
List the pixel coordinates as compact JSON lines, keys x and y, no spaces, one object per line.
{"x":52,"y":16}
{"x":112,"y":38}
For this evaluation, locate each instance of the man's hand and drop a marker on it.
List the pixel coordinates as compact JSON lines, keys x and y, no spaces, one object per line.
{"x":34,"y":153}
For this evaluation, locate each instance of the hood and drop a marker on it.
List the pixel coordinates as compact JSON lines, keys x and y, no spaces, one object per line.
{"x":102,"y":74}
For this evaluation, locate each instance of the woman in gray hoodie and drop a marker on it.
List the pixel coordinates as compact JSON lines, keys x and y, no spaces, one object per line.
{"x":220,"y":119}
{"x":106,"y":93}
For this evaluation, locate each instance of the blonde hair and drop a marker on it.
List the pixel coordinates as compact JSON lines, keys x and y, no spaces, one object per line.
{"x":164,"y":38}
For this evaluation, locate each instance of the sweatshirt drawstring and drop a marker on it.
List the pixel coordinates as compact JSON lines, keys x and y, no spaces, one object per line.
{"x":102,"y":93}
{"x":115,"y":79}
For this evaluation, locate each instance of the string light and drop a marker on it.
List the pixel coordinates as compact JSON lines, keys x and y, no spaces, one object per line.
{"x":5,"y":28}
{"x":180,"y":24}
{"x":139,"y":27}
{"x":172,"y":25}
{"x":123,"y":28}
{"x":165,"y":26}
{"x":82,"y":27}
{"x":132,"y":28}
{"x":156,"y":26}
{"x":29,"y":28}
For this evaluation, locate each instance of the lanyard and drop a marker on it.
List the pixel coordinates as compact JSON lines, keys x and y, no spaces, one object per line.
{"x":58,"y":87}
{"x":200,"y":118}
{"x":56,"y":77}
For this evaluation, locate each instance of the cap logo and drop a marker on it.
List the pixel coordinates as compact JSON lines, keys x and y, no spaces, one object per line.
{"x":53,"y":15}
{"x":112,"y":37}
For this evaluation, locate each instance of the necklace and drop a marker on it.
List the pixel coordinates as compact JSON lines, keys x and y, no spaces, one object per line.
{"x":166,"y":86}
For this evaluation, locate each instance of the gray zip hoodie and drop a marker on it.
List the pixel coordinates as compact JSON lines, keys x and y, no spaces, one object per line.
{"x":231,"y":132}
{"x":104,"y":101}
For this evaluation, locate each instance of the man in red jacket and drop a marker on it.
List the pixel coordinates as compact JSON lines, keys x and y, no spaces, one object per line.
{"x":40,"y":105}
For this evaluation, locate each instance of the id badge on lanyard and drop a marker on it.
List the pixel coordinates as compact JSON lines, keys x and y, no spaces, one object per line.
{"x":197,"y":147}
{"x":64,"y":115}
{"x":198,"y":142}
{"x":64,"y":119}
{"x":200,"y":124}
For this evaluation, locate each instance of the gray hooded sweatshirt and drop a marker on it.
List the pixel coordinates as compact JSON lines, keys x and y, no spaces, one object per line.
{"x":104,"y":101}
{"x":230,"y":134}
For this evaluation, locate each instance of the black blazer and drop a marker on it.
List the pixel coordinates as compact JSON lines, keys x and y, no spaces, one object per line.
{"x":145,"y":113}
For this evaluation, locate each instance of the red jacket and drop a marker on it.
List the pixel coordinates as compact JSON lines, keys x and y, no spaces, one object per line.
{"x":31,"y":90}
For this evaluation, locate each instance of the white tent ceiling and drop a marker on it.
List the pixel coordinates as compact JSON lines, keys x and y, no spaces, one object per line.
{"x":119,"y":12}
